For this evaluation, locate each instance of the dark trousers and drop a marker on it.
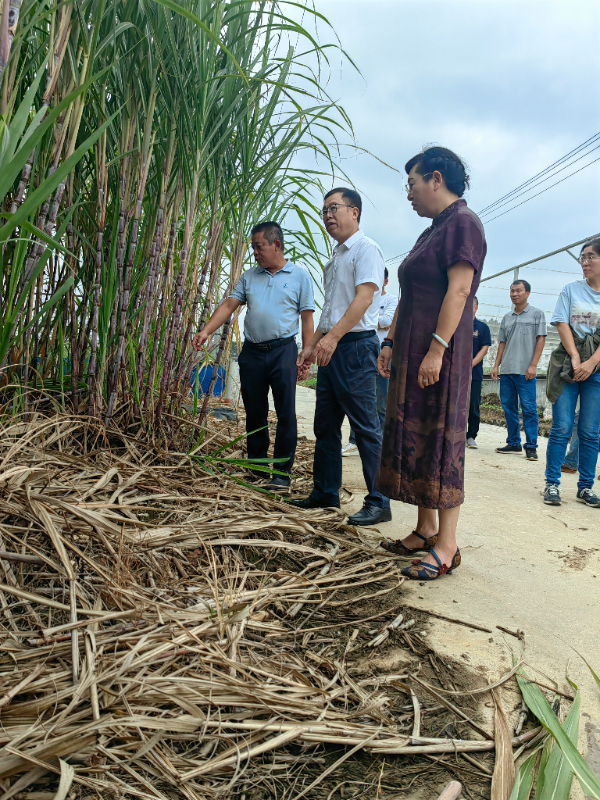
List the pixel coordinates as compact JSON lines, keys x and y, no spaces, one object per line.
{"x":346,"y":388}
{"x":474,"y":412}
{"x":259,"y":370}
{"x":381,"y":392}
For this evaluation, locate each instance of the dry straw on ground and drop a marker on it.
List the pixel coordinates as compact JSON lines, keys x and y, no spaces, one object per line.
{"x":167,"y":632}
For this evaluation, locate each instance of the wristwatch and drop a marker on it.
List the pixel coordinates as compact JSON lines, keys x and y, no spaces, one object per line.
{"x":387,"y":343}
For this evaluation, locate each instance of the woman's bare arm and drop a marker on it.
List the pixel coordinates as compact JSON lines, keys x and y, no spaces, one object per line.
{"x":460,"y":279}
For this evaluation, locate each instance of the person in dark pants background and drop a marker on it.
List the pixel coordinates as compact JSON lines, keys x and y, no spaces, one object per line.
{"x":482,"y":339}
{"x":346,"y":347}
{"x":277,"y":294}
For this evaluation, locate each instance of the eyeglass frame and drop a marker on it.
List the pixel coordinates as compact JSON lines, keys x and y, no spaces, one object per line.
{"x":327,"y":210}
{"x":588,"y":258}
{"x":408,"y":187}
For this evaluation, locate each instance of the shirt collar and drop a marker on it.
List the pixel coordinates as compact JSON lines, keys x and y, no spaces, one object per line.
{"x":525,"y":310}
{"x":287,"y":267}
{"x":349,"y":243}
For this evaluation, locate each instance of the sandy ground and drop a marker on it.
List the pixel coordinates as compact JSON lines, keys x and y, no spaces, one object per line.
{"x":526,"y":566}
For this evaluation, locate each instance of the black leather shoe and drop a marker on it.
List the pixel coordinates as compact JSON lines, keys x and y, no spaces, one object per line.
{"x":310,"y":502}
{"x":279,"y":483}
{"x":370,"y":515}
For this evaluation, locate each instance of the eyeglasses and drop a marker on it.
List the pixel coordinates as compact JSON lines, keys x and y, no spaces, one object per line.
{"x":332,"y":209}
{"x":410,"y":186}
{"x":588,"y":259}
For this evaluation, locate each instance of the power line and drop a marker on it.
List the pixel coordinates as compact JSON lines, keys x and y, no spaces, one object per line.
{"x":498,"y":204}
{"x":576,"y":150}
{"x":543,"y":190}
{"x":395,"y":258}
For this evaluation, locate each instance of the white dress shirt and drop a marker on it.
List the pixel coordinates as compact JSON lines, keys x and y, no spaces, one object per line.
{"x":387,"y":308}
{"x":358,"y":260}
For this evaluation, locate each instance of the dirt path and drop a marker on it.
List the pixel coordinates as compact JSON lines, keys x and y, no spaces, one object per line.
{"x":525,"y":566}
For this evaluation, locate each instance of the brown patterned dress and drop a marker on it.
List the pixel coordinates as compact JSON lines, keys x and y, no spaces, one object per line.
{"x":423,"y":456}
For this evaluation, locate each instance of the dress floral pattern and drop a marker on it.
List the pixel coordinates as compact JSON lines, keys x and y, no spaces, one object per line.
{"x":423,"y":456}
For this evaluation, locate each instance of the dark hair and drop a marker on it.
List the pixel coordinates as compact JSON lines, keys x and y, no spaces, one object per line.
{"x":270,"y":230}
{"x":475,"y":300}
{"x":525,"y":284}
{"x":452,"y":168}
{"x":386,"y":274}
{"x":348,"y":194}
{"x":595,"y":243}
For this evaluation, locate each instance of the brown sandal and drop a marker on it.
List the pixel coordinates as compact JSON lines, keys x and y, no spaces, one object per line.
{"x":398,"y":549}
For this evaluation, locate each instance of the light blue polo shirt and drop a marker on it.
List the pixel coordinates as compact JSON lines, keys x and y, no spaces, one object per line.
{"x":274,"y":301}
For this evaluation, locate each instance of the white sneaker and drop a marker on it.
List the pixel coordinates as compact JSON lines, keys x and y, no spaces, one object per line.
{"x":349,"y":449}
{"x":472,"y":443}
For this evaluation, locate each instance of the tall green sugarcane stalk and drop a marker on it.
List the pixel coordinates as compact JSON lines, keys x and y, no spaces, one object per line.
{"x":138,"y":146}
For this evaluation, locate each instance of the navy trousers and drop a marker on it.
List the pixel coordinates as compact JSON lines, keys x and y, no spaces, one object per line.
{"x":346,"y":388}
{"x":274,"y":367}
{"x":474,"y":410}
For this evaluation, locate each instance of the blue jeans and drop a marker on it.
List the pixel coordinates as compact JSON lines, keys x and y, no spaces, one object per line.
{"x":572,"y":458}
{"x":588,"y":430}
{"x":346,"y":388}
{"x":381,"y":390}
{"x":512,"y":389}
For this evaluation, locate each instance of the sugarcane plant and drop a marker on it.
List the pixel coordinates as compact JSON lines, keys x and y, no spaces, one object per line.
{"x":140,"y":140}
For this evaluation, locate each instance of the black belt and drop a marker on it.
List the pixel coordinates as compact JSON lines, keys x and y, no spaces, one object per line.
{"x":272,"y":344}
{"x":354,"y":335}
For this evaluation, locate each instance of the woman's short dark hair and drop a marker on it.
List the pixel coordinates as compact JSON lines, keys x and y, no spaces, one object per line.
{"x":386,"y":274}
{"x":526,"y":285}
{"x":348,"y":194}
{"x":594,"y":243}
{"x":451,"y":167}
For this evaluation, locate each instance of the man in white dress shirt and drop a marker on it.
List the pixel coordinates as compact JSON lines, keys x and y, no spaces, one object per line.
{"x":345,"y":347}
{"x":387,"y":309}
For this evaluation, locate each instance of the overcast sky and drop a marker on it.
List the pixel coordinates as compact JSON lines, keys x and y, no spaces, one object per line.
{"x":511,"y":85}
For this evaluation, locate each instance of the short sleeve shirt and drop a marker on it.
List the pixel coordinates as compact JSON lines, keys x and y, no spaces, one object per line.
{"x":274,"y":301}
{"x":356,"y":261}
{"x":481,"y":338}
{"x":579,"y":306}
{"x":520,"y":332}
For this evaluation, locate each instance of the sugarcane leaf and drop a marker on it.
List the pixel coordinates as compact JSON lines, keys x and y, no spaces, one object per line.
{"x":524,"y":779}
{"x":196,"y":20}
{"x":21,"y":115}
{"x":547,"y":749}
{"x":11,"y":167}
{"x":51,"y":183}
{"x":51,"y":302}
{"x":503,"y":778}
{"x":54,"y":243}
{"x":538,"y":705}
{"x":558,"y":774}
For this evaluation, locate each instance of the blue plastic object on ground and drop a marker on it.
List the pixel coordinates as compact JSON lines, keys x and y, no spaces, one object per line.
{"x":204,"y":378}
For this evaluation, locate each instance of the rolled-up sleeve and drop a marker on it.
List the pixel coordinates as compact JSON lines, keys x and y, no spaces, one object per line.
{"x":239,"y":293}
{"x":369,"y":266}
{"x":306,"y":300}
{"x":562,"y":310}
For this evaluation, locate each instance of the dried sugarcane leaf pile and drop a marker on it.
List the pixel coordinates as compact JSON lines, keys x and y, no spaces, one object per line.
{"x":168,"y":632}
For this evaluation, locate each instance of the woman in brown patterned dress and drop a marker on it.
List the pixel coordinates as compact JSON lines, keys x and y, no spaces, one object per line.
{"x":430,"y":349}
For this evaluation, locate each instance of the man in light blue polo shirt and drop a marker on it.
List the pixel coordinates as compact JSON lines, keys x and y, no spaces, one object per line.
{"x":277,"y":293}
